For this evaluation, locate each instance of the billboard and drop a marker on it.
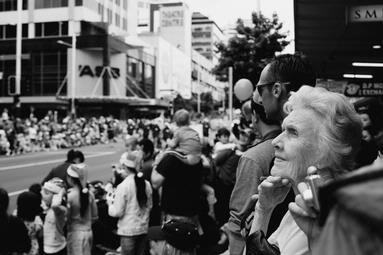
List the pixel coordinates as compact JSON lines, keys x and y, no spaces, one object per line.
{"x":89,"y":71}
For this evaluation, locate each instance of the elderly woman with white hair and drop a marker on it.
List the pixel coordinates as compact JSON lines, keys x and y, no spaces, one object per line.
{"x":322,"y":130}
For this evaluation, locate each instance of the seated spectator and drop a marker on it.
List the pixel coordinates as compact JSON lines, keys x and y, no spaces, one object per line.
{"x":321,"y":129}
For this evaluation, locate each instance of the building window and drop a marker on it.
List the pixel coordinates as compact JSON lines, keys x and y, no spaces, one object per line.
{"x":125,"y":24}
{"x":118,"y":2}
{"x":40,"y":4}
{"x":51,"y":29}
{"x":100,"y":9}
{"x":11,"y":5}
{"x":78,"y":3}
{"x":10,"y":31}
{"x":117,"y":17}
{"x":25,"y":31}
{"x":64,"y":28}
{"x":38,"y":29}
{"x":125,"y":4}
{"x":110,"y":16}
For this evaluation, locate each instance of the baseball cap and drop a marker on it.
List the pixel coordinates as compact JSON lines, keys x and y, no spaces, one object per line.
{"x":180,"y":234}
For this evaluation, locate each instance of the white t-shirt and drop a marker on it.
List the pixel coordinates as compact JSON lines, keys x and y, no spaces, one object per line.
{"x":289,"y":237}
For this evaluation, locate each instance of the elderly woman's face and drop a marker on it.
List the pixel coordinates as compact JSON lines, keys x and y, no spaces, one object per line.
{"x":296,"y":148}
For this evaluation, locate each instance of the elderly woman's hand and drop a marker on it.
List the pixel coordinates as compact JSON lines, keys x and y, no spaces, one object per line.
{"x":304,"y":214}
{"x":271,"y":192}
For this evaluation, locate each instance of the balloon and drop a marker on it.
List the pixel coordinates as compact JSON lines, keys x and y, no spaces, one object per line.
{"x":243,"y":89}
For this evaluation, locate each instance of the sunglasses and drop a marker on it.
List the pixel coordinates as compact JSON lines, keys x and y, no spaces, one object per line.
{"x":261,"y":87}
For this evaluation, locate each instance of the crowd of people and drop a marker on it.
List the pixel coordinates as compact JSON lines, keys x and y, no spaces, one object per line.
{"x":299,"y":173}
{"x":19,"y":136}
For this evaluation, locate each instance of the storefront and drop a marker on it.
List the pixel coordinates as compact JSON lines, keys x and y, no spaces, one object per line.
{"x":343,"y":40}
{"x":106,"y":67}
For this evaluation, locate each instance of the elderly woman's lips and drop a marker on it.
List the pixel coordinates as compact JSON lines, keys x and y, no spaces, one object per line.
{"x":278,"y":159}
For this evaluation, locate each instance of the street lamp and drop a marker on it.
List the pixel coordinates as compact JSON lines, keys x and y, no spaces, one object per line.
{"x":73,"y":72}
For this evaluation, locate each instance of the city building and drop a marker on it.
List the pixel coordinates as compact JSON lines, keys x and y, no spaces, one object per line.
{"x":205,"y":34}
{"x":168,"y":26}
{"x":343,"y":40}
{"x":111,"y":75}
{"x":203,"y":80}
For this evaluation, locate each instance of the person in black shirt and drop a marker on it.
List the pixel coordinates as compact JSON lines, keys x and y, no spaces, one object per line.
{"x":181,"y":185}
{"x":13,"y":233}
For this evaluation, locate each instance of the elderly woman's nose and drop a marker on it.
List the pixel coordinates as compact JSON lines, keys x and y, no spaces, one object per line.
{"x":276,"y":142}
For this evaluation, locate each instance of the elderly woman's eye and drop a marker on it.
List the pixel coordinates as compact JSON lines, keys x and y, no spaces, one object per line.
{"x":292,"y":131}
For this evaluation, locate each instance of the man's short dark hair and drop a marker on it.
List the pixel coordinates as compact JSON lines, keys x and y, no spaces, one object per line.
{"x":78,"y":154}
{"x":69,"y":155}
{"x":260,"y":111}
{"x":147,"y":146}
{"x":4,"y":202}
{"x":293,"y":68}
{"x":223,"y":131}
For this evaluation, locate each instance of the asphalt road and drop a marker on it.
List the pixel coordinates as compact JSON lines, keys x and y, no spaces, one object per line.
{"x":17,"y":173}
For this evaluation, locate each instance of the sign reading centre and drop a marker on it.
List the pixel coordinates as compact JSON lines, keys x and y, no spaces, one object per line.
{"x":172,"y":17}
{"x":365,"y":13}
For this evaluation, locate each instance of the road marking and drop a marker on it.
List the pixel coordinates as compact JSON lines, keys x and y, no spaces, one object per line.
{"x":32,"y":155}
{"x":7,"y":168}
{"x":16,"y":192}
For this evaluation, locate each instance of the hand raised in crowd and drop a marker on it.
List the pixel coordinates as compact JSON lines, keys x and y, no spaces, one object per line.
{"x":303,"y":211}
{"x":272,"y":191}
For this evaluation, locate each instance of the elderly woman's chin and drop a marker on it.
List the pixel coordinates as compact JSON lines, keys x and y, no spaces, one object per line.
{"x":287,"y":170}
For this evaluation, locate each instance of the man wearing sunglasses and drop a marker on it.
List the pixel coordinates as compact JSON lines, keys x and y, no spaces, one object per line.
{"x":286,"y":73}
{"x":283,"y":75}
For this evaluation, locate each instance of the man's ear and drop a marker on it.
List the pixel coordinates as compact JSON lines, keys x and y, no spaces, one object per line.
{"x":277,"y":90}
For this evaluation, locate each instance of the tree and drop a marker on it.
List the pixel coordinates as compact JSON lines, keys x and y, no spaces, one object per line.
{"x":251,"y":49}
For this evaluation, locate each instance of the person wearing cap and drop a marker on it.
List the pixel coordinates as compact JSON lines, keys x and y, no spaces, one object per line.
{"x":82,"y":210}
{"x":72,"y":157}
{"x":53,"y":192}
{"x":132,"y":203}
{"x":173,"y":237}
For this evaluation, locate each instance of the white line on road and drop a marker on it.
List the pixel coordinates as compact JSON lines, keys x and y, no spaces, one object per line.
{"x":32,"y":155}
{"x":7,"y":168}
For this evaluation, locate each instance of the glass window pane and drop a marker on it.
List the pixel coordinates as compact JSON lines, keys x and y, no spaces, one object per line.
{"x":1,"y":31}
{"x":78,"y":2}
{"x":10,"y":31}
{"x":39,"y":4}
{"x":47,"y":3}
{"x":25,"y":30}
{"x":51,"y":28}
{"x":64,"y":27}
{"x":9,"y":5}
{"x":38,"y":29}
{"x":25,"y":4}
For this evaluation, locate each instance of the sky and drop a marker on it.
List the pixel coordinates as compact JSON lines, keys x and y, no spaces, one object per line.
{"x":226,"y":12}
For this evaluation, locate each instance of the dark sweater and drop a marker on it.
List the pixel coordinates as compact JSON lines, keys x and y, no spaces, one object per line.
{"x":13,"y":236}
